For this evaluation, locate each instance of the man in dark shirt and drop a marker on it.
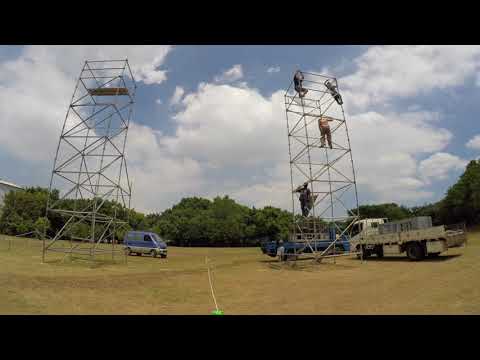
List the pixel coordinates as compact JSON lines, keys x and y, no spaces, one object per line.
{"x":305,"y":198}
{"x":332,"y":89}
{"x":297,"y":80}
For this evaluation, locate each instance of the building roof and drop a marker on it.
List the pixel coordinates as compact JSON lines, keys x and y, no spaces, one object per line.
{"x":2,"y":182}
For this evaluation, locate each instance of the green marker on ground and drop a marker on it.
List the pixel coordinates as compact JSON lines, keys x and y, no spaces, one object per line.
{"x":217,"y":312}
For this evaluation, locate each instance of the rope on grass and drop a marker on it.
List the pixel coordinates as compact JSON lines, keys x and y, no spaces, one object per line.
{"x":211,"y":285}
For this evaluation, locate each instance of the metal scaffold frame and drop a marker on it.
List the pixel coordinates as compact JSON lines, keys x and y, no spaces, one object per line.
{"x":90,"y":166}
{"x":329,"y":172}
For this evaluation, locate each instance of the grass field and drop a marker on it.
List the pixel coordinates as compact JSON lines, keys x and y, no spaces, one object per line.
{"x":245,"y":282}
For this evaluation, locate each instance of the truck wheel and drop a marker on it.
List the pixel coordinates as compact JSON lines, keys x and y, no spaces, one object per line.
{"x":357,"y":249}
{"x":366,"y":253}
{"x":379,"y":252}
{"x":414,"y":251}
{"x":154,"y":253}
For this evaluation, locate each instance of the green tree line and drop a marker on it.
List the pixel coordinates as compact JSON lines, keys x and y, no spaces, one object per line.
{"x":192,"y":222}
{"x":221,"y":222}
{"x":197,"y":221}
{"x":460,"y":204}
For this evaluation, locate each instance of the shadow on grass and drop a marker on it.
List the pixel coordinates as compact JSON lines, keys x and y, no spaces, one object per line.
{"x":77,"y":261}
{"x":306,"y":264}
{"x":441,"y":258}
{"x":275,"y":260}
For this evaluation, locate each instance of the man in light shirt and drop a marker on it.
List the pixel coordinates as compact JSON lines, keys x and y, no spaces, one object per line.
{"x":281,"y":252}
{"x":325,"y":130}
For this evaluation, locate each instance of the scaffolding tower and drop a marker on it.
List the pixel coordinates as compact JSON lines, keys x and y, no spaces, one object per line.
{"x":89,"y":187}
{"x":328,"y":172}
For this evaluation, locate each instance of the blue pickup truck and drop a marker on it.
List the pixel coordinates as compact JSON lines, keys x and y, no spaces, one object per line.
{"x":297,"y":247}
{"x":144,"y":242}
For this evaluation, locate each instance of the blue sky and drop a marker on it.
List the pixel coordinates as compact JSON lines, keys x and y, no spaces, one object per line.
{"x":411,"y":112}
{"x":190,"y":65}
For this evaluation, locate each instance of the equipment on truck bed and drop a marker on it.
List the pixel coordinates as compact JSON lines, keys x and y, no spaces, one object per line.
{"x":416,"y":223}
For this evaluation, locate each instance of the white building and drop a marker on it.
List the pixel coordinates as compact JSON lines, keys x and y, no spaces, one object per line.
{"x":6,"y":187}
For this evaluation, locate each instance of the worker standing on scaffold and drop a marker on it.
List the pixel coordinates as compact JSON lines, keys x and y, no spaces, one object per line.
{"x":334,"y":92}
{"x":325,"y":130}
{"x":297,"y":80}
{"x":305,"y":198}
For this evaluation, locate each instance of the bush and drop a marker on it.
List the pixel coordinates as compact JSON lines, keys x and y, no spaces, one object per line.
{"x":41,"y":226}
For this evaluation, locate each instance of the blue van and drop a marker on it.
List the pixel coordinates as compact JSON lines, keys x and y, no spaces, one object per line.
{"x":144,"y":242}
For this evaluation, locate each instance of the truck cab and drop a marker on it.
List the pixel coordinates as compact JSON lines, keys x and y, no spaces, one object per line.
{"x":367,"y":226}
{"x":144,"y":242}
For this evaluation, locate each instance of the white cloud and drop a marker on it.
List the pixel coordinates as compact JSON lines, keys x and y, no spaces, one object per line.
{"x":238,"y":137}
{"x":145,"y":60}
{"x":177,"y":95}
{"x":439,"y":165}
{"x":230,"y":139}
{"x":409,"y":132}
{"x":159,"y":101}
{"x":36,"y":87}
{"x":231,"y":129}
{"x":474,"y":143}
{"x":273,"y":69}
{"x":217,"y":121}
{"x":385,"y":147}
{"x":160,"y":178}
{"x":386,"y":144}
{"x":235,"y":138}
{"x":385,"y":72}
{"x":232,"y":74}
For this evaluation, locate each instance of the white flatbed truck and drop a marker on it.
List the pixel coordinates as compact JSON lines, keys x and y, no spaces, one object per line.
{"x":415,"y":243}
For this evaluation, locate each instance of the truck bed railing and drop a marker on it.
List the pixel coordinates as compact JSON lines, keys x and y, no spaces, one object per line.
{"x":456,"y":227}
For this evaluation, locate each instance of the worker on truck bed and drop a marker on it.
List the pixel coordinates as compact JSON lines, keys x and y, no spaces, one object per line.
{"x":305,"y":198}
{"x":297,"y":80}
{"x":325,"y":130}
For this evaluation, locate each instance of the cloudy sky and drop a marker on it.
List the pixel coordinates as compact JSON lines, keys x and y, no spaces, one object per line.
{"x":209,"y":120}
